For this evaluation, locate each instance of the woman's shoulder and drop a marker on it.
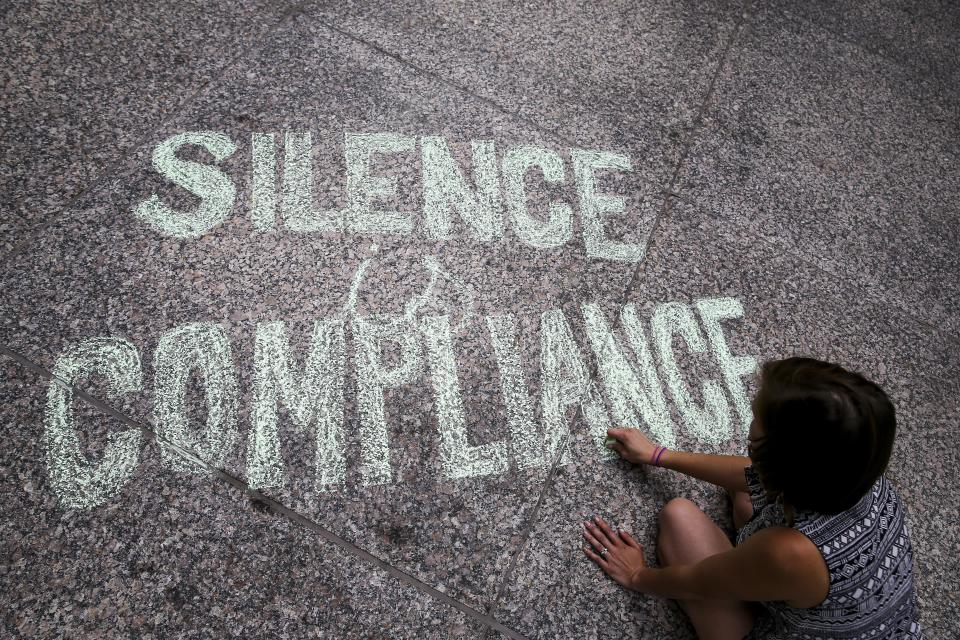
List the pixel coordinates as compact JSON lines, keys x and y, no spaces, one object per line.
{"x":792,"y":553}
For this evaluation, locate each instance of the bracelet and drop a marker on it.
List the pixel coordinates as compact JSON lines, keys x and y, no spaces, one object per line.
{"x":656,"y":452}
{"x":657,"y":461}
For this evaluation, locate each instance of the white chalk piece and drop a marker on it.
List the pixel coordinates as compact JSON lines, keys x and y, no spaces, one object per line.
{"x":594,"y":207}
{"x":712,"y":311}
{"x":458,"y":457}
{"x":635,"y":404}
{"x":565,"y":381}
{"x":711,"y":424}
{"x":214,"y":188}
{"x":558,"y":227}
{"x":525,"y":443}
{"x":373,"y":378}
{"x":363,"y":187}
{"x":444,"y":188}
{"x":77,"y":482}
{"x":205,"y":348}
{"x":313,"y":399}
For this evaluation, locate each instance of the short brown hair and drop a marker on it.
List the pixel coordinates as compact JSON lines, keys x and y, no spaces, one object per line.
{"x":827,"y":434}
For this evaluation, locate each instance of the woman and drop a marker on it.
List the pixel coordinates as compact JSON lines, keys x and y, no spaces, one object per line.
{"x":822,"y":545}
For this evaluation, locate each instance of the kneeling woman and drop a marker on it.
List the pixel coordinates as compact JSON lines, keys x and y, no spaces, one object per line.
{"x":822,"y":545}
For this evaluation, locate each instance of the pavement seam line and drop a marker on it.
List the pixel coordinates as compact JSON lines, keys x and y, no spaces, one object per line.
{"x":274,"y":505}
{"x":34,"y":227}
{"x":926,"y":72}
{"x":513,"y":115}
{"x":593,"y":370}
{"x":695,"y":129}
{"x":861,"y":285}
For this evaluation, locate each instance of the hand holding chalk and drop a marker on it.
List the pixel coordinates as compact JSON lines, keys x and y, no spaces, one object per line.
{"x":632,"y":445}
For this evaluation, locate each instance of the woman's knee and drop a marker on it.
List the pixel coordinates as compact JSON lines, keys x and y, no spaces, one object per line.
{"x":674,"y":519}
{"x":687,"y":534}
{"x":676,"y":512}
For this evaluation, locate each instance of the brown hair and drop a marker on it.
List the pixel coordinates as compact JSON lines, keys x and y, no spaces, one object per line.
{"x":827,"y":434}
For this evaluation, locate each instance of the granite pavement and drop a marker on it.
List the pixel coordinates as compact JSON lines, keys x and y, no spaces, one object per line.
{"x":800,"y":159}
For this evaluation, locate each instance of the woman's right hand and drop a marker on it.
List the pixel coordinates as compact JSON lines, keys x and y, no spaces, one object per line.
{"x":632,"y":445}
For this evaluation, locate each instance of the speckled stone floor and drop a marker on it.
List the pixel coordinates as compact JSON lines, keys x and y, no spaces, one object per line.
{"x":801,"y":158}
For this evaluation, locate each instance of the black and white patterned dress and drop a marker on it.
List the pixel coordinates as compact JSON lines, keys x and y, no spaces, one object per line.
{"x":868,"y":554}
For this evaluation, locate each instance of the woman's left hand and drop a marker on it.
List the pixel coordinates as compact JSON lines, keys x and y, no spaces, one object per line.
{"x":624,"y":556}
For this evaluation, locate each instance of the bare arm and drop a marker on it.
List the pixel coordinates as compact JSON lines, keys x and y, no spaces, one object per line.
{"x":774,"y":564}
{"x":723,"y":471}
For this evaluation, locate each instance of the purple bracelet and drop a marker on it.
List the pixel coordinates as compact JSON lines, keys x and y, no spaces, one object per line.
{"x":657,"y":460}
{"x":656,"y":452}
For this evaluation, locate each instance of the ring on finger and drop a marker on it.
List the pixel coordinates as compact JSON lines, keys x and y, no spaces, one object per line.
{"x":603,"y":554}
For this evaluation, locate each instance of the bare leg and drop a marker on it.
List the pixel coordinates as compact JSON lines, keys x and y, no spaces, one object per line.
{"x":688,"y":535}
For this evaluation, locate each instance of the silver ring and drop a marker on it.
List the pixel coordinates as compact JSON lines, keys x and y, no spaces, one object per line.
{"x":604,"y":552}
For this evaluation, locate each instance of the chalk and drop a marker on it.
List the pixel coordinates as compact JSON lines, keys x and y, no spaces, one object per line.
{"x":307,"y":390}
{"x":214,"y":188}
{"x":494,"y":196}
{"x":459,"y":459}
{"x":203,"y":347}
{"x":444,"y":188}
{"x":594,"y":207}
{"x":712,"y":311}
{"x":636,"y":395}
{"x":711,"y":424}
{"x":566,"y":382}
{"x":313,"y":397}
{"x":524,"y":438}
{"x":78,"y":482}
{"x":374,"y":377}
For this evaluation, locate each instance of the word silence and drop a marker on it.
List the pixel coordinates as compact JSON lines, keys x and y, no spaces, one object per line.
{"x":629,"y":390}
{"x":496,"y":197}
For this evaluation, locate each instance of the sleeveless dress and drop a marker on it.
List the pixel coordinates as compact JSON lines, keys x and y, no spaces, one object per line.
{"x":870,"y":560}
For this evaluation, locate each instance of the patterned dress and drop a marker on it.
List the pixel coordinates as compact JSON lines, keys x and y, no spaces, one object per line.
{"x":868,"y":554}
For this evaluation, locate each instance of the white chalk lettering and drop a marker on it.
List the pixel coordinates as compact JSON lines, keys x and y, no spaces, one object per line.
{"x":205,"y":348}
{"x":298,"y":209}
{"x":733,"y":368}
{"x":524,"y":441}
{"x":565,"y":381}
{"x":363,"y":187}
{"x":263,"y":181}
{"x":373,"y":378}
{"x":309,"y":388}
{"x":314,"y":400}
{"x":558,"y":227}
{"x":211,"y":185}
{"x":444,"y":188}
{"x":458,"y":457}
{"x":595,"y":206}
{"x":712,"y":423}
{"x":77,"y":482}
{"x":627,"y":395}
